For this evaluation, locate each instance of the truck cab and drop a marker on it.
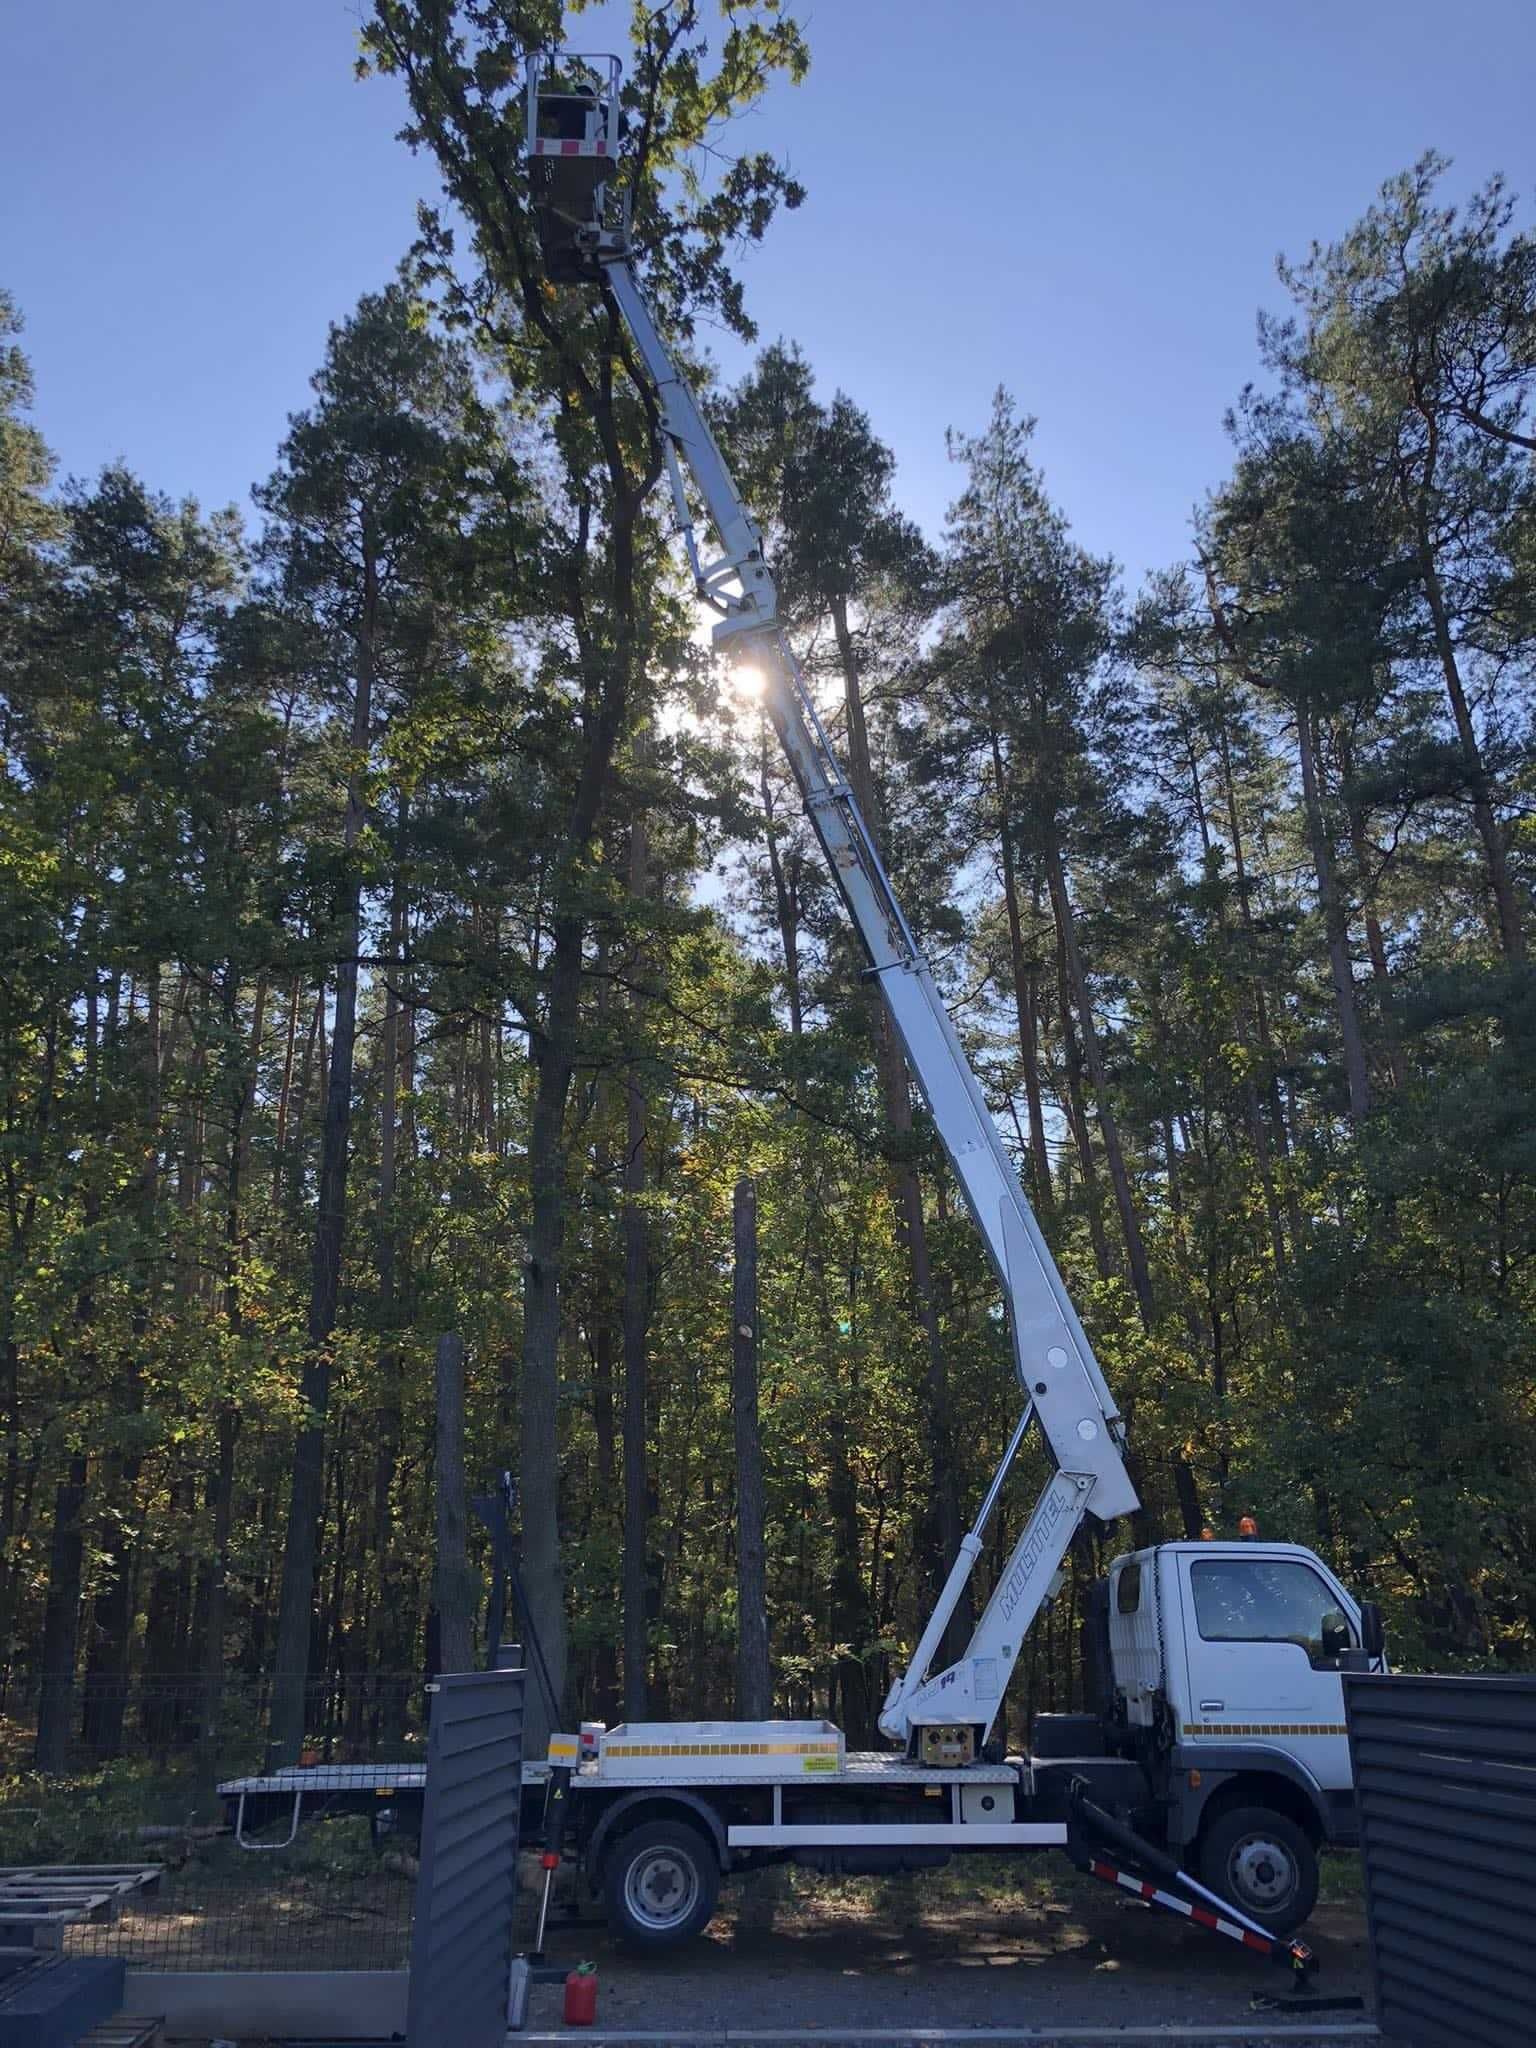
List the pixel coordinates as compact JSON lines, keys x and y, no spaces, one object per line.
{"x":1224,"y":1679}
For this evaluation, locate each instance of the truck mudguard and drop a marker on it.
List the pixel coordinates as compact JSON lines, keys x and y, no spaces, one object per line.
{"x":1217,"y":1764}
{"x":659,"y":1796}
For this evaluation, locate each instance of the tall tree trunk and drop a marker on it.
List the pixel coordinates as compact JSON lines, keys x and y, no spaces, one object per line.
{"x":1335,"y":925}
{"x":314,"y":1041}
{"x":1263,"y":1032}
{"x":220,"y":1503}
{"x":1109,"y":1132}
{"x":285,"y":1089}
{"x":552,"y":1048}
{"x":785,"y":897}
{"x":754,"y":1684}
{"x":485,"y":1087}
{"x":634,"y":1317}
{"x":601,"y":1320}
{"x":66,"y":1555}
{"x":1266,"y":1121}
{"x":10,"y":1491}
{"x":328,"y":1629}
{"x":942,"y":1540}
{"x":168,"y":1618}
{"x":61,"y":1619}
{"x":387,"y":1633}
{"x":321,"y":1051}
{"x":452,"y":1583}
{"x":848,"y":1617}
{"x":606,"y":1692}
{"x":554,"y":1052}
{"x":1506,"y":903}
{"x":296,"y":1598}
{"x":1077,"y":1115}
{"x":1375,"y":942}
{"x":1026,"y":998}
{"x":110,"y":1633}
{"x":634,"y":1324}
{"x":251,"y":1071}
{"x":110,"y":1638}
{"x":1258,"y":1137}
{"x":1191,"y":1519}
{"x":219,"y":1498}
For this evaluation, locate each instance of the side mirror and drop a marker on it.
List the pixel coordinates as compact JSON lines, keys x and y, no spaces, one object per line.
{"x":1373,"y":1635}
{"x":1336,"y":1635}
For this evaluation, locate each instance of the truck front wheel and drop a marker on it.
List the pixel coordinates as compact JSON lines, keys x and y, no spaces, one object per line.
{"x":660,"y":1882}
{"x":1264,"y":1863}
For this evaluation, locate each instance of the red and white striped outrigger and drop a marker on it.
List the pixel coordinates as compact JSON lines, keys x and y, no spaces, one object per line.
{"x":1089,"y":1827}
{"x":1296,"y":1954}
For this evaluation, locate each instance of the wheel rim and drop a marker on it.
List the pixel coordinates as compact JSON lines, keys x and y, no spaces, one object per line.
{"x":1262,"y":1873}
{"x":661,"y":1888}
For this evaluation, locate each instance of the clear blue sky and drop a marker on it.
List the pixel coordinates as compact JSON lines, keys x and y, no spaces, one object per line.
{"x":1084,"y":202}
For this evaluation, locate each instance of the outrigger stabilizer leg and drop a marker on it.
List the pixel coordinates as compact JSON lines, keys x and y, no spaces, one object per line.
{"x":1092,"y":1834}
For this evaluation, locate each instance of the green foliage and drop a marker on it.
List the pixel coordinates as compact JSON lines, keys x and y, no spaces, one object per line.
{"x":1193,"y":868}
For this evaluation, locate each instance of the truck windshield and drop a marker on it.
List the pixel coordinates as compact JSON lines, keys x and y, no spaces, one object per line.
{"x":1263,"y":1600}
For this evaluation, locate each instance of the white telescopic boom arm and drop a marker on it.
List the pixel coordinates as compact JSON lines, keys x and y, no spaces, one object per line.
{"x":1065,"y":1389}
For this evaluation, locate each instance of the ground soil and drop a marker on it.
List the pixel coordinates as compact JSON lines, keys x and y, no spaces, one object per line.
{"x":982,"y":1944}
{"x":875,"y":1954}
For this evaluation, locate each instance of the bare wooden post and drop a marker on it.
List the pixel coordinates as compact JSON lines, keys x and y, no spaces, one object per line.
{"x":452,"y":1589}
{"x":753,"y":1685}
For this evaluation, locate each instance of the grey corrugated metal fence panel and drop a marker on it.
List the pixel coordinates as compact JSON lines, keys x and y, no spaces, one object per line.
{"x":461,"y":1945}
{"x":1445,"y":1773}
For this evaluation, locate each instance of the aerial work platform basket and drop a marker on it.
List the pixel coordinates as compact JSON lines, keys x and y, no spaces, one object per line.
{"x":573,"y":124}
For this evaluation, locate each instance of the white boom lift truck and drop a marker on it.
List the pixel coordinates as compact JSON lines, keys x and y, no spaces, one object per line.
{"x":1216,"y":1766}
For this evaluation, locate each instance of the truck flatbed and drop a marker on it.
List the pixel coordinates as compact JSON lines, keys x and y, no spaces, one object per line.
{"x":287,"y":1799}
{"x":860,"y":1766}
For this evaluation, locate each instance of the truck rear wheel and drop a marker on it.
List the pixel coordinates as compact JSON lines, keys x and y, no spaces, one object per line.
{"x":660,"y":1882}
{"x":1264,"y":1863}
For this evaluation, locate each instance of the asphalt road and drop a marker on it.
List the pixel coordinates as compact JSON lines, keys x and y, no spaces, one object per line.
{"x":865,"y":1958}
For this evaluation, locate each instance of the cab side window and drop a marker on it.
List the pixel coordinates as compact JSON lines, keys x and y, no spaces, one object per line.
{"x":1128,"y":1588}
{"x":1269,"y":1600}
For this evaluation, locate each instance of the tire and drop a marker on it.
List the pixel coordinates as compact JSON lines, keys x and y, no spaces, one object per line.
{"x":1264,"y":1863}
{"x":660,"y":1882}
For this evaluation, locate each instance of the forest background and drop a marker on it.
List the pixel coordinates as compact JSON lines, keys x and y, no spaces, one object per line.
{"x":408,"y":929}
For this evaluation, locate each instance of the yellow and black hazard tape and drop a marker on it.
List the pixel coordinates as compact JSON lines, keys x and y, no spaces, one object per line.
{"x":628,"y":1749}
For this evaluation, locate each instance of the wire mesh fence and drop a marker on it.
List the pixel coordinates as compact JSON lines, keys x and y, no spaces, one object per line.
{"x":267,"y":1881}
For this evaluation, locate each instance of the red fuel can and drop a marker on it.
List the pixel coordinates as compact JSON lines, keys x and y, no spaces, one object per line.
{"x":581,"y":1996}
